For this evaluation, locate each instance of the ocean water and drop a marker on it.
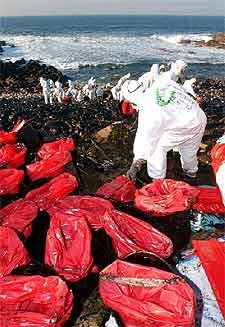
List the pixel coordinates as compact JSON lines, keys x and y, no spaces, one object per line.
{"x":108,"y":46}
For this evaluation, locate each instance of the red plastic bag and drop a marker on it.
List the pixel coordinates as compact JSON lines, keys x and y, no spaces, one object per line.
{"x":120,"y":189}
{"x":92,"y":208}
{"x":49,"y":149}
{"x":58,"y":188}
{"x":218,"y":156}
{"x":19,"y":216}
{"x":10,"y":180}
{"x":127,"y":108}
{"x":212,"y":256}
{"x":12,"y":155}
{"x":168,"y":303}
{"x":7,"y":137}
{"x":165,"y":196}
{"x":67,"y":99}
{"x":34,"y":301}
{"x":130,"y":235}
{"x":49,"y":168}
{"x":12,"y":251}
{"x":209,"y":201}
{"x":68,"y":246}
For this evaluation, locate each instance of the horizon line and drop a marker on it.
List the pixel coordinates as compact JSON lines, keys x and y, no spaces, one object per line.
{"x":111,"y":14}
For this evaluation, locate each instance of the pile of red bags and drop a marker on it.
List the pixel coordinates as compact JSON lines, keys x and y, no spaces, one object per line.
{"x":12,"y":252}
{"x":34,"y":301}
{"x":59,"y":187}
{"x":146,"y":296}
{"x":19,"y":215}
{"x":120,"y":189}
{"x":12,"y":155}
{"x":10,"y":180}
{"x":165,"y":196}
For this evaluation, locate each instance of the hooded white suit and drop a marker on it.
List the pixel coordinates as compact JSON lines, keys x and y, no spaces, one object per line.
{"x":168,"y":118}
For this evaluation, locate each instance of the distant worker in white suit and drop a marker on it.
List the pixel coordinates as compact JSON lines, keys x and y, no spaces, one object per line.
{"x":47,"y":90}
{"x":168,"y":118}
{"x":59,"y":92}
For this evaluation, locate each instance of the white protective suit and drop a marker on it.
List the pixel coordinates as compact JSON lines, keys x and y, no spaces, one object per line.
{"x":116,"y":90}
{"x":59,"y":92}
{"x":168,"y":118}
{"x":72,"y":91}
{"x":80,"y":96}
{"x":47,"y":89}
{"x":188,"y":86}
{"x":148,"y":78}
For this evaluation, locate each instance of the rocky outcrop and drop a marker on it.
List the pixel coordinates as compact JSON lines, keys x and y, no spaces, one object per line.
{"x":216,"y":41}
{"x":26,"y":74}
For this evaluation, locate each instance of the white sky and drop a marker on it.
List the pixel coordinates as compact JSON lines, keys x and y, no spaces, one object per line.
{"x":82,"y":7}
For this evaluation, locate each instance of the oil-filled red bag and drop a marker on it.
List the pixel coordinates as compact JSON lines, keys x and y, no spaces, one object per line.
{"x":120,"y":189}
{"x":12,"y":155}
{"x":49,"y":168}
{"x":34,"y":301}
{"x":209,"y":200}
{"x":146,"y":296}
{"x":12,"y":252}
{"x":49,"y":149}
{"x":58,"y":188}
{"x":130,"y":235}
{"x":165,"y":196}
{"x":19,"y":215}
{"x":92,"y":208}
{"x":10,"y":180}
{"x":127,"y":108}
{"x":68,"y":246}
{"x":212,"y":256}
{"x":7,"y":137}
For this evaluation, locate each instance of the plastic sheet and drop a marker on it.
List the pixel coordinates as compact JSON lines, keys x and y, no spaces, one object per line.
{"x":12,"y":155}
{"x":49,"y":149}
{"x":10,"y":180}
{"x":12,"y":251}
{"x":212,"y":256}
{"x":130,"y":235}
{"x":120,"y":189}
{"x":169,"y":302}
{"x":34,"y":301}
{"x":68,"y":246}
{"x":19,"y":215}
{"x":209,"y":200}
{"x":58,"y":188}
{"x":92,"y":208}
{"x":165,"y":196}
{"x":49,"y":168}
{"x":208,"y":313}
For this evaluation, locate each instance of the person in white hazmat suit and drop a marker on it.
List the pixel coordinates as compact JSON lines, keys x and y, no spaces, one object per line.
{"x":47,"y":89}
{"x":72,"y":91}
{"x":59,"y":92}
{"x":168,"y":118}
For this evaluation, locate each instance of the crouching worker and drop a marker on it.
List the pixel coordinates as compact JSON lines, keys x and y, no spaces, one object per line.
{"x":168,"y":118}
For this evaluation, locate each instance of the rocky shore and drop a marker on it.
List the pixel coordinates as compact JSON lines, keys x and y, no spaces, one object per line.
{"x":212,"y":41}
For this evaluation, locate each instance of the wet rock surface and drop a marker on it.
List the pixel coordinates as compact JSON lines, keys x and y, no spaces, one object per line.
{"x":217,"y":41}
